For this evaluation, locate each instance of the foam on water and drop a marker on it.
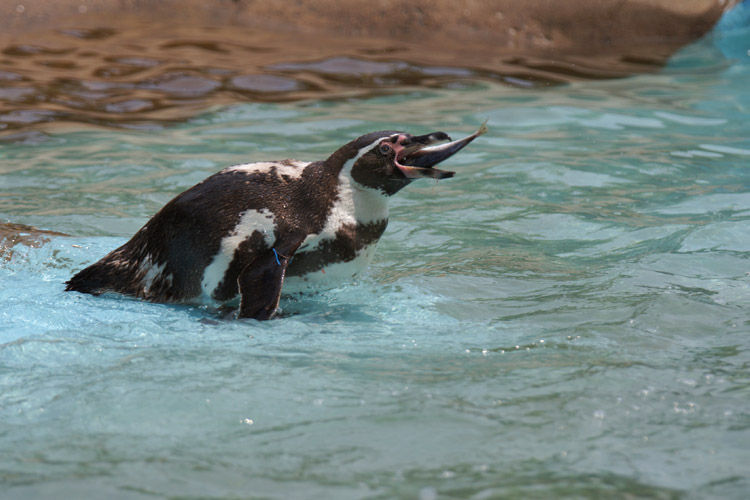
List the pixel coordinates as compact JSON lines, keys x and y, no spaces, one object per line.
{"x":567,"y":317}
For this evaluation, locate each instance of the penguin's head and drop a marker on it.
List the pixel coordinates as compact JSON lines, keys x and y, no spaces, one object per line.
{"x":389,"y":160}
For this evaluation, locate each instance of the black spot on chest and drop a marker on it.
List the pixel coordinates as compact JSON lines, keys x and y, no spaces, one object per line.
{"x":349,"y":240}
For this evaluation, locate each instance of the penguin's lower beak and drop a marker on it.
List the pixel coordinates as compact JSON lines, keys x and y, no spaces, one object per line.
{"x":418,"y":157}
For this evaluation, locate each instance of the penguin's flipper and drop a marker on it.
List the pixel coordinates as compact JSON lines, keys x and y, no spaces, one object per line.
{"x":260,"y":282}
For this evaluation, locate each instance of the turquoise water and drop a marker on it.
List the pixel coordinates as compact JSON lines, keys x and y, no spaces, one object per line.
{"x":566,"y":318}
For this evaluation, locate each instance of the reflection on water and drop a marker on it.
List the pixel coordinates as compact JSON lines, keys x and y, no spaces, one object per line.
{"x":137,"y":77}
{"x":19,"y":234}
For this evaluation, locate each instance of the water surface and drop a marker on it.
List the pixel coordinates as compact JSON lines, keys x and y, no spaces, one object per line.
{"x":566,"y":318}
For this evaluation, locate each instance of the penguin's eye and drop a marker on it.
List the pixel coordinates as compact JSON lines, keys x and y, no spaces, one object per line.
{"x":385,"y":148}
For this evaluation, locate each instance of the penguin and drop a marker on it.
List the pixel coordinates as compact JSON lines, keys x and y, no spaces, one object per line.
{"x":247,"y":229}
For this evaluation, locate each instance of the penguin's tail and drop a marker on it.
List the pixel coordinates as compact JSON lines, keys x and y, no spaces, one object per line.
{"x":96,"y":279}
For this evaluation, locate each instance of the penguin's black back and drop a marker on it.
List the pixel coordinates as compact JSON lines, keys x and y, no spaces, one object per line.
{"x":165,"y":260}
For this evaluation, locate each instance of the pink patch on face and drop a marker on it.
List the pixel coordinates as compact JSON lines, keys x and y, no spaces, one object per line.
{"x":395,"y":144}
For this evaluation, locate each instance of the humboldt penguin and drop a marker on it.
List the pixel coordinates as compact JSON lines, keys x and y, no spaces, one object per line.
{"x":247,"y":229}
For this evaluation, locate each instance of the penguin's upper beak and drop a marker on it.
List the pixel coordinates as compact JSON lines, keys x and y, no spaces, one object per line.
{"x":420,"y":154}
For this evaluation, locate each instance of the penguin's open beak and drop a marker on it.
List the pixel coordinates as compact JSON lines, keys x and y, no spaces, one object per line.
{"x":420,"y":154}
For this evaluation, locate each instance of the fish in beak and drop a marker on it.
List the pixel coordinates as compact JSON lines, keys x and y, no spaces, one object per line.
{"x":420,"y":154}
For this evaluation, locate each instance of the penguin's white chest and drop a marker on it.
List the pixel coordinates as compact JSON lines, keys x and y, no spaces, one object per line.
{"x":354,"y":205}
{"x":355,"y":217}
